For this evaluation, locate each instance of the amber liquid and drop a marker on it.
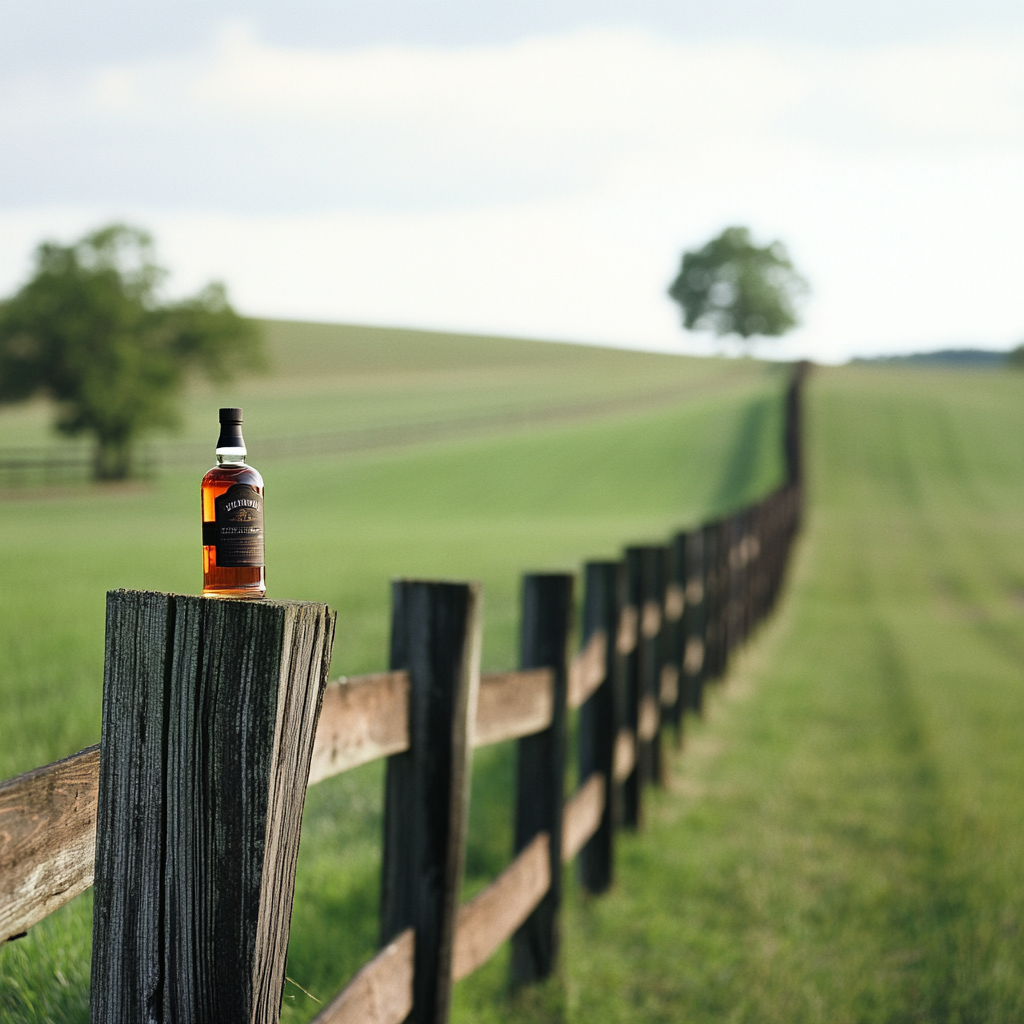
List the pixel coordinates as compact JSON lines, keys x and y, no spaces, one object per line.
{"x":245,"y":581}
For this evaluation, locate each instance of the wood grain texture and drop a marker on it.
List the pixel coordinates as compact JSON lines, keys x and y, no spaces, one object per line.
{"x":582,"y":816}
{"x":209,"y":715}
{"x":540,"y":767}
{"x":587,"y":671}
{"x":493,"y":915}
{"x":513,"y":704}
{"x":47,"y":839}
{"x":362,"y":718}
{"x":435,"y":635}
{"x":381,"y":993}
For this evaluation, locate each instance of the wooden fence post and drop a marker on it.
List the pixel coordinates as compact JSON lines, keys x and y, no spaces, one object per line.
{"x":673,"y":685}
{"x":711,"y":580}
{"x":652,"y":620}
{"x":435,"y":635}
{"x":209,"y":714}
{"x":540,"y":772}
{"x":630,"y":602}
{"x":598,"y":723}
{"x":689,"y":573}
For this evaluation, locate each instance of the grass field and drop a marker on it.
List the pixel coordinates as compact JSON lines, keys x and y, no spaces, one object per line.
{"x":520,"y":456}
{"x":841,"y":838}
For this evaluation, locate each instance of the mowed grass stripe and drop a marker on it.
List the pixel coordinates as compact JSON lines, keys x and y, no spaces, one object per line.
{"x":842,"y":839}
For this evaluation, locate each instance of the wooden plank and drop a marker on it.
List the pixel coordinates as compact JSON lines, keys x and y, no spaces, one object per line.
{"x":587,"y":671}
{"x":381,"y":993}
{"x":362,"y":718}
{"x":675,"y":601}
{"x":435,"y":635}
{"x":582,"y":816}
{"x":650,"y":618}
{"x":513,"y":704}
{"x":47,"y":839}
{"x":669,"y":690}
{"x":209,"y":715}
{"x":647,"y":720}
{"x":540,"y":768}
{"x":625,"y":637}
{"x":694,"y":657}
{"x":625,"y":755}
{"x":493,"y":915}
{"x":598,"y":721}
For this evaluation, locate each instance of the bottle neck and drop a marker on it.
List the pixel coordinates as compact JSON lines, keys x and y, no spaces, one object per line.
{"x":230,"y":456}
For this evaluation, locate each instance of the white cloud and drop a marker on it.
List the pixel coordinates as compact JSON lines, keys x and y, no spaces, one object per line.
{"x":546,"y":187}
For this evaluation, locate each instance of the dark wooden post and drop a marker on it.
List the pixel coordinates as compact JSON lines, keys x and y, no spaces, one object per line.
{"x":690,"y":567}
{"x":673,"y":699}
{"x":712,"y":579}
{"x":540,"y":775}
{"x":630,"y":603}
{"x":435,"y":635}
{"x":652,"y":619}
{"x":209,"y":714}
{"x":598,"y":724}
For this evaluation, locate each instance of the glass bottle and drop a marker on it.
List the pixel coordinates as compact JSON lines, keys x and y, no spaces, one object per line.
{"x":232,"y":495}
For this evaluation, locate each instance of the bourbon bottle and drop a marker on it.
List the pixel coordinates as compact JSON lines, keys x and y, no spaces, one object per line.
{"x":233,"y":559}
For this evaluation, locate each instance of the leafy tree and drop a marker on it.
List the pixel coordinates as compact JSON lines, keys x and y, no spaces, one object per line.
{"x":1015,"y":357}
{"x":89,"y":331}
{"x":732,"y":286}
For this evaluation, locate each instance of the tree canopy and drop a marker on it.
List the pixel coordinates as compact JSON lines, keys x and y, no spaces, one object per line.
{"x":88,"y":330}
{"x":732,"y":286}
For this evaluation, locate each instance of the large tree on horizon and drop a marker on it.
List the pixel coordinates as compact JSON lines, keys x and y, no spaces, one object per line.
{"x":89,"y":331}
{"x":732,"y":286}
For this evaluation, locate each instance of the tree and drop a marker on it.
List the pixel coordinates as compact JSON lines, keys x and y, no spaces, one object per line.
{"x":732,"y":286}
{"x":88,"y":331}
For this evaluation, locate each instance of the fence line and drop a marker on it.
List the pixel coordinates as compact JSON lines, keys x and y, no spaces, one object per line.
{"x":658,"y":626}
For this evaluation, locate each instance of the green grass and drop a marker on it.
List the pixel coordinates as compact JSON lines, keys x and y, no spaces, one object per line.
{"x":840,"y":841}
{"x":842,"y":838}
{"x":548,"y":455}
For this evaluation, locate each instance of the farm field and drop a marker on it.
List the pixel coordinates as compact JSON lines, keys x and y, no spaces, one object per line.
{"x":840,"y":840}
{"x":519,"y":456}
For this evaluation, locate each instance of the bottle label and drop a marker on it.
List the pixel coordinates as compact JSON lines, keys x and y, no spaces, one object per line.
{"x":238,"y":527}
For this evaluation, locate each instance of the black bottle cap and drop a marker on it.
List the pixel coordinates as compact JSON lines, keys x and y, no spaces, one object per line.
{"x":230,"y":429}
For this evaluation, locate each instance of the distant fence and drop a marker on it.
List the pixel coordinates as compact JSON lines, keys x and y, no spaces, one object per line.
{"x":43,"y":465}
{"x":217,"y":715}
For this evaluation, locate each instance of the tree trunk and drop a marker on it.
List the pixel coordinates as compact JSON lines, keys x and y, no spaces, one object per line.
{"x":112,"y":459}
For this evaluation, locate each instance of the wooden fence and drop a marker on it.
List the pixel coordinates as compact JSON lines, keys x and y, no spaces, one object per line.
{"x":217,"y":715}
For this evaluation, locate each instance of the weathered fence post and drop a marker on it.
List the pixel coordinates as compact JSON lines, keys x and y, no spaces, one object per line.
{"x":540,"y":772}
{"x":598,"y":723}
{"x":630,"y":603}
{"x":673,"y":684}
{"x":435,"y":635}
{"x":209,"y":713}
{"x":652,"y":619}
{"x":689,"y":573}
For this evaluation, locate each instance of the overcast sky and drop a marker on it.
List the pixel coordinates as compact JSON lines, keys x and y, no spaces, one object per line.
{"x":537,"y":168}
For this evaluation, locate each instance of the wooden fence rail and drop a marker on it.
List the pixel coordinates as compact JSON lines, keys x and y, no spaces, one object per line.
{"x":217,"y":715}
